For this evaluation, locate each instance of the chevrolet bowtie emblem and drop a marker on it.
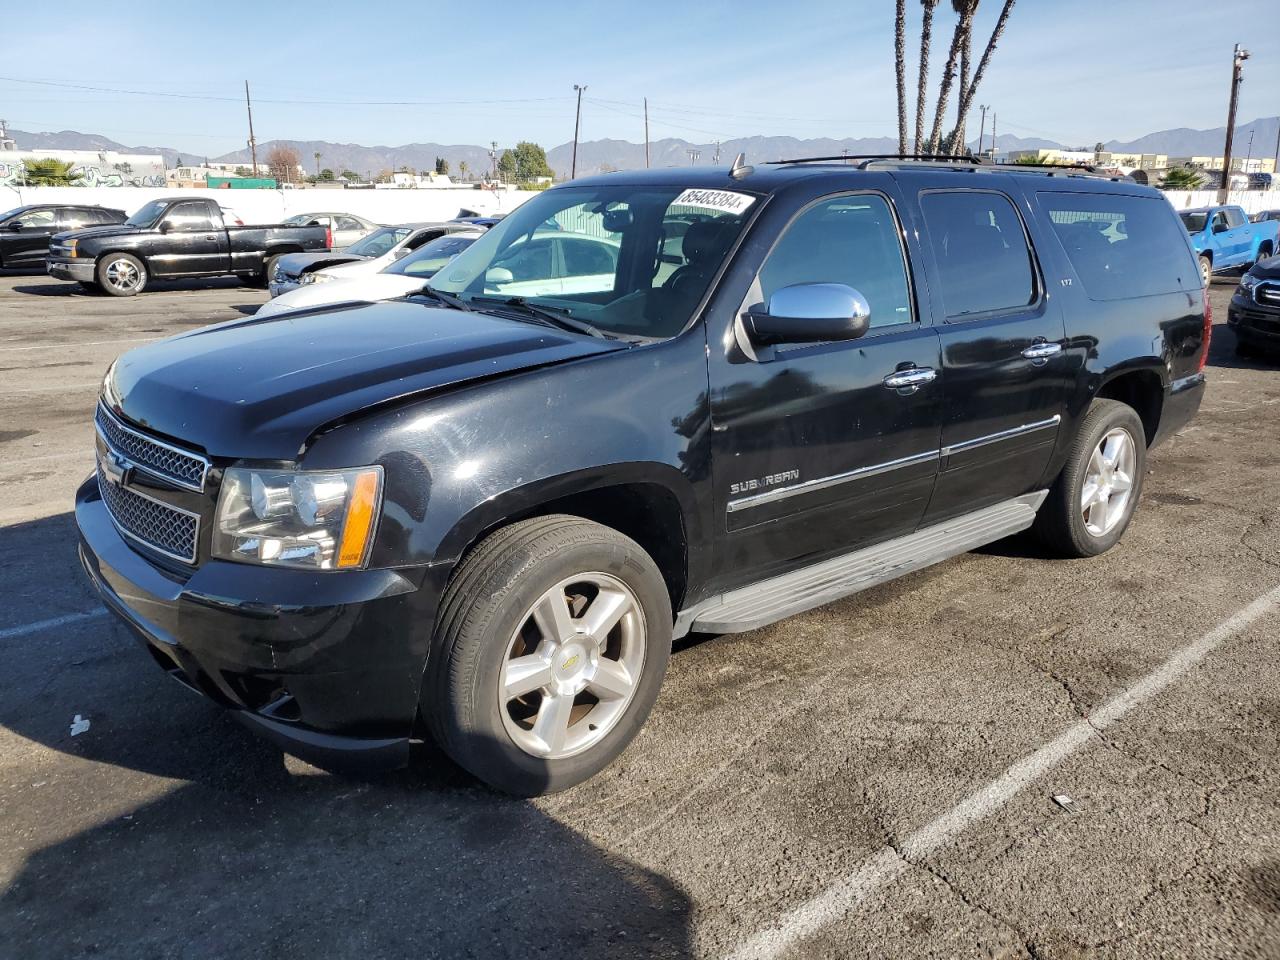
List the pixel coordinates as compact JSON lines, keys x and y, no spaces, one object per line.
{"x":116,"y":468}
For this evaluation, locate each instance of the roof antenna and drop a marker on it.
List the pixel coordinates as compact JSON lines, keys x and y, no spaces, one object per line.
{"x":740,"y":168}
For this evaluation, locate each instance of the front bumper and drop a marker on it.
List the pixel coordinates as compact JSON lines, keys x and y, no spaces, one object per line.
{"x":70,"y":270}
{"x":278,"y":287}
{"x":1253,"y":323}
{"x":328,"y":664}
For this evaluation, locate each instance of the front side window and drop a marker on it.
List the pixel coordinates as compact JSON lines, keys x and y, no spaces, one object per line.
{"x":851,"y":240}
{"x":36,"y":219}
{"x":1235,"y":217}
{"x":190,"y":216}
{"x":981,"y":251}
{"x":630,"y":261}
{"x":1121,"y":246}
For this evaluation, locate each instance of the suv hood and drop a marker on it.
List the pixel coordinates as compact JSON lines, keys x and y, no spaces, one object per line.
{"x":258,"y":389}
{"x":296,"y":264}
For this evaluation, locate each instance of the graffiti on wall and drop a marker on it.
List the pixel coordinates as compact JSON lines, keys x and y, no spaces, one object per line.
{"x":85,"y":175}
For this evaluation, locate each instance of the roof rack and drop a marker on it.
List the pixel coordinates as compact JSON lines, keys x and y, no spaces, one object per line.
{"x":938,"y":157}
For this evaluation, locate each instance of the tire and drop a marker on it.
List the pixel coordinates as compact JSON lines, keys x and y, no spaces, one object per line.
{"x":1063,"y":523}
{"x":121,"y":275}
{"x":492,"y":722}
{"x":1206,"y":271}
{"x":263,"y":279}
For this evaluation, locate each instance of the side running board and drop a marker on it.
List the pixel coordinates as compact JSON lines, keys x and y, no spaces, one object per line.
{"x":768,"y":601}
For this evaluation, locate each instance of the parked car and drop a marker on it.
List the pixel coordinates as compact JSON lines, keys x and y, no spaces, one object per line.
{"x":484,"y":516}
{"x":174,"y":238}
{"x":368,"y":255}
{"x":25,"y":231}
{"x":347,"y":228}
{"x":1265,"y":215}
{"x":1224,"y":239}
{"x":1254,"y":311}
{"x":398,"y":279}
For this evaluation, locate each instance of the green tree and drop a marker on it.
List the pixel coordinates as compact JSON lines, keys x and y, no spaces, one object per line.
{"x":1182,"y":178}
{"x":507,"y":166}
{"x":462,"y":169}
{"x":530,"y":161}
{"x":442,"y":166}
{"x":47,"y":172}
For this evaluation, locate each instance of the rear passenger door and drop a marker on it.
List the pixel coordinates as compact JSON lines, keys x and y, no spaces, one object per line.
{"x":1005,"y":374}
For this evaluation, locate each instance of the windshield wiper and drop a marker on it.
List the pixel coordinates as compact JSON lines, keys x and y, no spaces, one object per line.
{"x":448,"y":299}
{"x":547,"y":315}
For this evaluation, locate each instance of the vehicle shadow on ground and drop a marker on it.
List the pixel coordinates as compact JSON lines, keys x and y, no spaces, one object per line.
{"x":1222,"y":353}
{"x":262,"y":856}
{"x":67,"y":288}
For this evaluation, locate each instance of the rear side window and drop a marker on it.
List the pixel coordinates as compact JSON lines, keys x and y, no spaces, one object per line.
{"x":981,"y":252}
{"x":851,"y":240}
{"x":1122,"y":246}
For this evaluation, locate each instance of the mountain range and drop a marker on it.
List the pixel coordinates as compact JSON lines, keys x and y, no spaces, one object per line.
{"x":596,"y":156}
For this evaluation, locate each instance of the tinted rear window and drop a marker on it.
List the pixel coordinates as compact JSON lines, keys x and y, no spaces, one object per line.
{"x":981,"y":252}
{"x":1122,"y":246}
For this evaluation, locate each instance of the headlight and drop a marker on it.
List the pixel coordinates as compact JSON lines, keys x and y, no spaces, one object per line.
{"x":70,"y":246}
{"x":316,"y":278}
{"x":315,"y":519}
{"x":1248,"y":282}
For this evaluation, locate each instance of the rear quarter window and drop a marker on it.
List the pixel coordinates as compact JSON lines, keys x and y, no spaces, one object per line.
{"x":1122,"y":246}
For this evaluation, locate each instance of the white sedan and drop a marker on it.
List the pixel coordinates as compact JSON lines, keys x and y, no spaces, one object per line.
{"x":399,"y":279}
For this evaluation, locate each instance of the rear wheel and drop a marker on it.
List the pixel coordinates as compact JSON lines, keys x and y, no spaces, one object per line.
{"x":263,"y":279}
{"x":1206,"y":271}
{"x":121,"y":275}
{"x":1091,"y":503}
{"x":552,"y":642}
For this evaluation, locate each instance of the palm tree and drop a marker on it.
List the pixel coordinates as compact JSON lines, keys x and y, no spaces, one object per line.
{"x":47,"y":172}
{"x":966,"y":9}
{"x":462,"y":169}
{"x":1182,"y":178}
{"x":926,"y":39}
{"x":317,"y":156}
{"x":900,"y":56}
{"x":970,"y":90}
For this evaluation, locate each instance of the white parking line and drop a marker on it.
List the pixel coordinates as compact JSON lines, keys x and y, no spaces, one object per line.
{"x":8,"y":633}
{"x":882,"y":868}
{"x":77,"y":343}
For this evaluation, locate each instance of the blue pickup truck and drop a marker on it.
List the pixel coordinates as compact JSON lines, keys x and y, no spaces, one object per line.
{"x":1224,"y":238}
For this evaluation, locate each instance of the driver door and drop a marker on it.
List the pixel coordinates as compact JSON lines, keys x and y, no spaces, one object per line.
{"x":815,"y":451}
{"x":29,"y":244}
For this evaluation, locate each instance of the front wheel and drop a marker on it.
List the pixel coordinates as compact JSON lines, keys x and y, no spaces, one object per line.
{"x":1092,"y":501}
{"x":1206,"y":271}
{"x":121,"y":275}
{"x":552,"y":641}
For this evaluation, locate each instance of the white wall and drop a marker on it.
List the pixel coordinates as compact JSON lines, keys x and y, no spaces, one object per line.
{"x":272,"y":206}
{"x":1253,"y":201}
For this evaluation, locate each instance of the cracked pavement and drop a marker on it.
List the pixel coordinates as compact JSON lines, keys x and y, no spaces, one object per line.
{"x":776,"y":762}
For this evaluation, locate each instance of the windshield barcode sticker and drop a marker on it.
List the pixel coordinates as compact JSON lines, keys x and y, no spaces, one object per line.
{"x":725,"y":200}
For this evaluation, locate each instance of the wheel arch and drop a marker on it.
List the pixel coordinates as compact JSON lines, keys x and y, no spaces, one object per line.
{"x":1141,"y":389}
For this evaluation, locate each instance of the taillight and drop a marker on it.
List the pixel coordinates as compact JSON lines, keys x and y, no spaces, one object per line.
{"x":1208,"y":331}
{"x":328,"y":238}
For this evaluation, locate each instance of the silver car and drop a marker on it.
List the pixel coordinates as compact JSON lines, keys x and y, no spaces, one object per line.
{"x":347,"y":227}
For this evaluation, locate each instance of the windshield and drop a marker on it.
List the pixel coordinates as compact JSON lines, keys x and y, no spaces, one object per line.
{"x":430,"y":257}
{"x":378,"y":242}
{"x":628,"y":260}
{"x":1194,"y":222}
{"x":148,"y":214}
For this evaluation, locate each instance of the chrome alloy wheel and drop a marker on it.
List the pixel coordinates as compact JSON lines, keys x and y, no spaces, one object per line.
{"x":1108,"y":482}
{"x":123,"y":274}
{"x":572,"y":666}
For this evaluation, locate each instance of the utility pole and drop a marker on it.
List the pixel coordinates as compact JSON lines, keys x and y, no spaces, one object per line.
{"x":1237,"y":62}
{"x":253,"y":143}
{"x":577,"y":120}
{"x":1248,"y":157}
{"x":693,"y":156}
{"x":493,"y":157}
{"x":646,"y":134}
{"x":993,"y":136}
{"x":982,"y":127}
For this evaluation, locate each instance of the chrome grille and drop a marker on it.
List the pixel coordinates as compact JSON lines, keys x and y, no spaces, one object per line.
{"x":1268,"y":294}
{"x":160,"y":526}
{"x":182,"y":468}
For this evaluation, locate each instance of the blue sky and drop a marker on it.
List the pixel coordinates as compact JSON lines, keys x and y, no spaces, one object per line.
{"x":1076,"y":72}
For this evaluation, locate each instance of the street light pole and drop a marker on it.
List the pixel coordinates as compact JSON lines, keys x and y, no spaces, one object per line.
{"x":253,"y":142}
{"x":1237,"y":62}
{"x":577,"y":120}
{"x":982,"y":127}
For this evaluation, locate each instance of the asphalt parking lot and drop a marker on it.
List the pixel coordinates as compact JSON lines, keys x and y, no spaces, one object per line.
{"x":874,"y":778}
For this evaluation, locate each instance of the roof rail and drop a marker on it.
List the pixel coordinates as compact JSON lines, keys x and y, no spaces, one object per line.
{"x":938,"y":157}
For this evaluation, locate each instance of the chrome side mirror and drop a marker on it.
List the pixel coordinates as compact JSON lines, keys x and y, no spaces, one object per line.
{"x":811,"y":313}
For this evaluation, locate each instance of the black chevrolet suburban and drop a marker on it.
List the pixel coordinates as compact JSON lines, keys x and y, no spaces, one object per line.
{"x":483,"y":513}
{"x":175,"y":238}
{"x":25,"y":231}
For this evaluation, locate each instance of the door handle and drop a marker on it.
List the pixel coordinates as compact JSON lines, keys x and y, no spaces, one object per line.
{"x":911,"y":379}
{"x":211,"y":237}
{"x":1040,"y":352}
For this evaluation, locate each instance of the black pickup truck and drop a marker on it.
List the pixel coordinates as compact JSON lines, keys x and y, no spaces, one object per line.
{"x":641,"y":405}
{"x":172,"y":239}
